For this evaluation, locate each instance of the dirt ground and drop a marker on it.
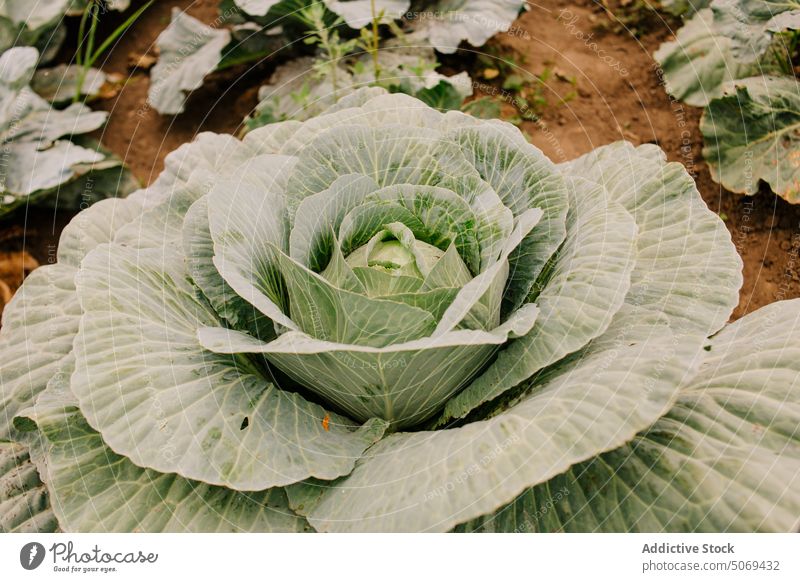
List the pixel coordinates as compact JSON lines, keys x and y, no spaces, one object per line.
{"x":602,"y":68}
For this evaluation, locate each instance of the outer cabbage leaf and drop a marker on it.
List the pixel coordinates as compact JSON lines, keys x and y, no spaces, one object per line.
{"x":39,"y":325}
{"x":24,"y":500}
{"x":750,"y":24}
{"x":122,"y":497}
{"x":358,"y":13}
{"x":752,"y":133}
{"x":37,"y":24}
{"x":177,"y":408}
{"x":430,"y":481}
{"x":687,"y":266}
{"x":725,"y":458}
{"x":59,"y":84}
{"x":700,"y":61}
{"x":447,"y":22}
{"x":190,"y":50}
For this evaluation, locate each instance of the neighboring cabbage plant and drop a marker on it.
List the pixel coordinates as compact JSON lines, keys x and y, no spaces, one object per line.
{"x":735,"y":59}
{"x":40,"y":23}
{"x":388,"y":318}
{"x":36,"y":24}
{"x":46,"y":158}
{"x":348,"y":37}
{"x":305,"y":87}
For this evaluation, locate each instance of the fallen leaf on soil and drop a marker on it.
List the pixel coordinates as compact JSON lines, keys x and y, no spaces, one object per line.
{"x":142,"y":61}
{"x":112,"y":86}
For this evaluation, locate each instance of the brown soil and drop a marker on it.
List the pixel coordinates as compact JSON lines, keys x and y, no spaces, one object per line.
{"x":609,"y":105}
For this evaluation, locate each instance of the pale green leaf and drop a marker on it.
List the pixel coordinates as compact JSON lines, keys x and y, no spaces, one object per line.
{"x":591,"y":276}
{"x":189,"y":50}
{"x":430,"y":481}
{"x":446,"y":23}
{"x":403,"y":383}
{"x":697,"y":64}
{"x":725,"y":458}
{"x":144,"y":381}
{"x":93,"y":489}
{"x":752,"y":133}
{"x":198,"y":248}
{"x":523,"y":178}
{"x":24,"y":500}
{"x":39,"y":325}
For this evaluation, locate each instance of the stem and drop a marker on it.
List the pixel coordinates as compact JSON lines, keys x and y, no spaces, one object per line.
{"x":82,"y":35}
{"x":91,"y":11}
{"x":89,"y":56}
{"x":119,"y":30}
{"x":375,"y":65}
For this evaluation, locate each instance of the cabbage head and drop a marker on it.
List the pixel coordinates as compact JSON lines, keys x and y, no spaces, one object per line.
{"x":387,"y":318}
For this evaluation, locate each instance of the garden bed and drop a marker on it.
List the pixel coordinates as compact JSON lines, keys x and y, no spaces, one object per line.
{"x":600,"y":84}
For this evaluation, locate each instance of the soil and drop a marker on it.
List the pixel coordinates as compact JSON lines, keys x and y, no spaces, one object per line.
{"x":601,"y":67}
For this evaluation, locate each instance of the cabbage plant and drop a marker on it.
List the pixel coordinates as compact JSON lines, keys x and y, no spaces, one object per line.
{"x":387,"y":318}
{"x":734,"y":58}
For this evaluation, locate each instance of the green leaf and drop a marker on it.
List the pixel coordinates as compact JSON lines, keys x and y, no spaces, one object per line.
{"x":189,"y":50}
{"x":389,"y":155}
{"x":39,"y":326}
{"x":588,"y":286}
{"x":443,"y":97}
{"x":122,"y":497}
{"x":402,"y":383}
{"x":24,"y":500}
{"x":523,"y":178}
{"x":752,"y":133}
{"x":683,"y":7}
{"x":59,"y":84}
{"x":36,"y":15}
{"x":198,"y":248}
{"x":358,"y":13}
{"x":248,"y":219}
{"x":430,"y":481}
{"x":700,"y":61}
{"x":750,"y":24}
{"x":368,"y":106}
{"x":36,"y":163}
{"x":156,"y":396}
{"x":447,"y":23}
{"x":95,"y":225}
{"x":318,"y":217}
{"x":725,"y":458}
{"x":686,"y":265}
{"x":328,"y":313}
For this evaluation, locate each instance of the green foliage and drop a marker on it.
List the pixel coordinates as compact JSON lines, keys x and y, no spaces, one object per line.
{"x":738,"y":60}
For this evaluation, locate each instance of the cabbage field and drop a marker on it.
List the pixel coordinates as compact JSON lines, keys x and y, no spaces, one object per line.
{"x":400,"y":266}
